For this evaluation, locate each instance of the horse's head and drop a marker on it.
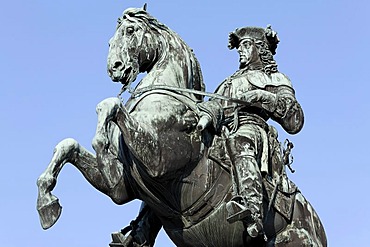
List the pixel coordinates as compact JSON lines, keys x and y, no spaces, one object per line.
{"x":132,"y":49}
{"x":142,"y":44}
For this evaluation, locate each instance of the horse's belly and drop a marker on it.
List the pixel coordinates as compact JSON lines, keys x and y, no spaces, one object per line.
{"x":213,"y":231}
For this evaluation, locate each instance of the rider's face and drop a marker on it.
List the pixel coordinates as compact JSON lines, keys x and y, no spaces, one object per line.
{"x":247,"y":52}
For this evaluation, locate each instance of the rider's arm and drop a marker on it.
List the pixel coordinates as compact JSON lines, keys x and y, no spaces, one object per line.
{"x":281,"y":105}
{"x":288,"y":112}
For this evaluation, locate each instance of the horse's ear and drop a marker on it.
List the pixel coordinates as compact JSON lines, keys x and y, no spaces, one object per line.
{"x":144,"y":7}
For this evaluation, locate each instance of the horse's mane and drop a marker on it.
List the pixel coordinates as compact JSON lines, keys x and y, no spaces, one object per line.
{"x":195,"y":78}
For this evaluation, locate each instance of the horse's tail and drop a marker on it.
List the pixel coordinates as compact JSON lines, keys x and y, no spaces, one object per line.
{"x":307,"y":224}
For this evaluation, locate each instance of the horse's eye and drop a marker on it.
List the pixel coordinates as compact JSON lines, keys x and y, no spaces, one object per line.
{"x":130,"y":30}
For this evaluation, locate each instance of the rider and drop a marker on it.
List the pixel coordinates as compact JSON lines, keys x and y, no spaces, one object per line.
{"x":267,"y":94}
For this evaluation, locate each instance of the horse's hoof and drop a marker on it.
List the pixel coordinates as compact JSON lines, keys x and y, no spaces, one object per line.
{"x":49,"y":213}
{"x":119,"y":240}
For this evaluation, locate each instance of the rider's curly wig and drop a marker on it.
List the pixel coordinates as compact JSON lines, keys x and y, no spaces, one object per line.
{"x":268,"y":61}
{"x":266,"y":41}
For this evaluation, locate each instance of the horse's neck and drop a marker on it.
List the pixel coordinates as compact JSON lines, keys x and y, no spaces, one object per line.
{"x":168,"y":70}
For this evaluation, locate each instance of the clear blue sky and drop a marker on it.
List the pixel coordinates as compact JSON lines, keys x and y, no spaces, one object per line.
{"x":53,"y":74}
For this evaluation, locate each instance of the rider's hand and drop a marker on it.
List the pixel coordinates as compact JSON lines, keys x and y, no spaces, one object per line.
{"x":261,"y":97}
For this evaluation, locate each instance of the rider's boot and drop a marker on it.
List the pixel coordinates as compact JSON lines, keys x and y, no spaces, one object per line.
{"x":247,"y":205}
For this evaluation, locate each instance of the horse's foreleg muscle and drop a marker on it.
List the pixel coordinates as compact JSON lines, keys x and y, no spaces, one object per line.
{"x":141,"y":140}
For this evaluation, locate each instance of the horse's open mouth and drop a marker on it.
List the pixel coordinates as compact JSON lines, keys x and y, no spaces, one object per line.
{"x":126,"y":76}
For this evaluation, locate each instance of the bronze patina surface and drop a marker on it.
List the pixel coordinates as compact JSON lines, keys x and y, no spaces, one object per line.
{"x":211,"y":173}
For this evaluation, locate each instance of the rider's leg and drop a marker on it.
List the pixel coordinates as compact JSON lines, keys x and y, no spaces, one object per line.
{"x":247,"y":204}
{"x":249,"y":182}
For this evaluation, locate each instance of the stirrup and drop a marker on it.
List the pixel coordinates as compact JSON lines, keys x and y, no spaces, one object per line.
{"x":236,"y":211}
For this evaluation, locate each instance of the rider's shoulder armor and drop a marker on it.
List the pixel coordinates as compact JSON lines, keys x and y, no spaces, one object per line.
{"x":262,"y":80}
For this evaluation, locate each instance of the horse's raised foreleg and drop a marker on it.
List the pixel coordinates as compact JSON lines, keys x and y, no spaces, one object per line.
{"x":106,"y":144}
{"x":67,"y":151}
{"x":104,"y":171}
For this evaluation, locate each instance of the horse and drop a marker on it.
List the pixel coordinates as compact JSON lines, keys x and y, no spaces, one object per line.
{"x":151,"y":149}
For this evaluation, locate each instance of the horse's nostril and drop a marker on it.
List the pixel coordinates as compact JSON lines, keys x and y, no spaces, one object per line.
{"x":117,"y":65}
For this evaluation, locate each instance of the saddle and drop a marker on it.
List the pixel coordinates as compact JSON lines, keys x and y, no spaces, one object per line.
{"x":284,"y":198}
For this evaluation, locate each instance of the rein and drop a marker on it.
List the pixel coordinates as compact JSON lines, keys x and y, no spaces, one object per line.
{"x":137,"y":93}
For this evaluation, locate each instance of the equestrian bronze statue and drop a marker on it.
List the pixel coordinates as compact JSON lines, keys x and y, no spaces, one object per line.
{"x":211,"y":173}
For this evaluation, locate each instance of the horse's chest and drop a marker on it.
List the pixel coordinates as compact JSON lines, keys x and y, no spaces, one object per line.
{"x":171,"y":126}
{"x":162,"y":113}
